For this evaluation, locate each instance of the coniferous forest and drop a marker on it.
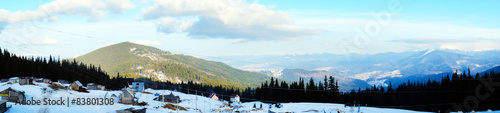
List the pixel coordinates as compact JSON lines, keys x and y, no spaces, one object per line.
{"x":458,"y":92}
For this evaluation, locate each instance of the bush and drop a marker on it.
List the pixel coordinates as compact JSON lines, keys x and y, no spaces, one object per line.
{"x":174,"y":107}
{"x":56,"y":86}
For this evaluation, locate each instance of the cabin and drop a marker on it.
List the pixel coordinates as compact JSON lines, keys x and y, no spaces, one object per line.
{"x":127,"y":96}
{"x":26,"y":81}
{"x":14,"y":80}
{"x":12,"y":95}
{"x":138,"y":86}
{"x":48,"y":81}
{"x":169,"y":98}
{"x":213,"y":96}
{"x":92,"y":86}
{"x":76,"y":85}
{"x":101,"y":87}
{"x":63,"y":81}
{"x":235,"y":98}
{"x":3,"y":106}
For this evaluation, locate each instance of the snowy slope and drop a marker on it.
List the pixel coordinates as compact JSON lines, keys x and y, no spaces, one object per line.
{"x":189,"y":101}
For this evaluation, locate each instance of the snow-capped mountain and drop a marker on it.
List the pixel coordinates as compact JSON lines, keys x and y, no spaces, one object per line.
{"x":375,"y":69}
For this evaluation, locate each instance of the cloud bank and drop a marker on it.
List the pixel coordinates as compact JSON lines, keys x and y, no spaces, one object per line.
{"x":223,"y":19}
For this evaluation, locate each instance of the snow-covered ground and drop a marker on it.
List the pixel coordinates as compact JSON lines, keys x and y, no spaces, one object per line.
{"x":189,"y":101}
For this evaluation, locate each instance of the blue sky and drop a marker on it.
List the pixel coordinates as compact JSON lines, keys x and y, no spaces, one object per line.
{"x":203,"y":28}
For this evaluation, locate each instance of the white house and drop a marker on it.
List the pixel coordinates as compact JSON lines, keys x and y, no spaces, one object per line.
{"x":235,"y":98}
{"x":14,"y":80}
{"x":138,"y":86}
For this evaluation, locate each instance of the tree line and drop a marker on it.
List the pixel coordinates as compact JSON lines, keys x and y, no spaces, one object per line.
{"x":55,"y":69}
{"x":460,"y":92}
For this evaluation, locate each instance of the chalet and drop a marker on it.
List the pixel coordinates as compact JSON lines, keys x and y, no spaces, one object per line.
{"x":76,"y":85}
{"x":127,"y":96}
{"x":92,"y":86}
{"x":63,"y":81}
{"x":48,"y":81}
{"x":101,"y":87}
{"x":235,"y":98}
{"x":169,"y":98}
{"x":13,"y":95}
{"x":14,"y":80}
{"x":138,"y":86}
{"x":213,"y":96}
{"x":26,"y":81}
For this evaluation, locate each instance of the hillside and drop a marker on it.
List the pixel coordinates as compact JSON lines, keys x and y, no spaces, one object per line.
{"x":136,"y":60}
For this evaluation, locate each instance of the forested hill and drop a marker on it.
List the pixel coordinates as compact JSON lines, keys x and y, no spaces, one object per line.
{"x":54,"y":69}
{"x":137,"y":61}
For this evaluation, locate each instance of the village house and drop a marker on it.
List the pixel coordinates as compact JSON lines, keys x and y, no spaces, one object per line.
{"x":63,"y":81}
{"x":169,"y":98}
{"x":14,"y":80}
{"x":12,"y":95}
{"x":48,"y":81}
{"x":26,"y":81}
{"x":76,"y":85}
{"x":213,"y":96}
{"x":138,"y":86}
{"x":127,"y":96}
{"x":101,"y":87}
{"x":92,"y":86}
{"x":235,"y":98}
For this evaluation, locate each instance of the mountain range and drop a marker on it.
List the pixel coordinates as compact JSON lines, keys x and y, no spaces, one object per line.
{"x":374,"y":69}
{"x":139,"y":61}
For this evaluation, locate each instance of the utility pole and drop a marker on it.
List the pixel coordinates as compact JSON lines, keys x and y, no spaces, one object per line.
{"x":177,"y":105}
{"x":196,"y":95}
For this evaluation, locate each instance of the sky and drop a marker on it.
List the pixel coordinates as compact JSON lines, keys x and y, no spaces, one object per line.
{"x":210,"y":28}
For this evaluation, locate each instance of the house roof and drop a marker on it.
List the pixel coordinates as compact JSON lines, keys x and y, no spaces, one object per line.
{"x":213,"y":94}
{"x":234,"y":95}
{"x":78,"y":83}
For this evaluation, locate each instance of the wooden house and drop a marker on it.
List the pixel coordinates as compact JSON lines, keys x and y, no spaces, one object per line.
{"x":169,"y":98}
{"x":76,"y":85}
{"x":101,"y":87}
{"x":63,"y":81}
{"x":127,"y":96}
{"x":26,"y":81}
{"x":12,"y":95}
{"x":92,"y":86}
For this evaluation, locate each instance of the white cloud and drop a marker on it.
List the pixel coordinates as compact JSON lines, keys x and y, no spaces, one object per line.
{"x":94,"y":10}
{"x":223,"y":19}
{"x":45,"y":41}
{"x":147,"y":42}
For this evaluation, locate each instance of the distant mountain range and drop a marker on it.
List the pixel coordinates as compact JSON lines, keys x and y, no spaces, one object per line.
{"x":136,"y":60}
{"x":373,"y":69}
